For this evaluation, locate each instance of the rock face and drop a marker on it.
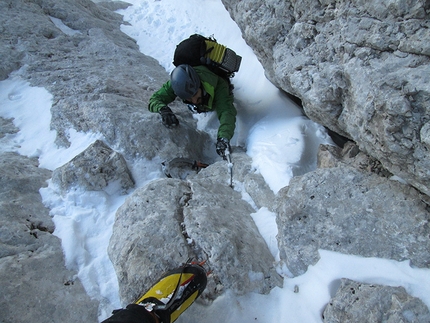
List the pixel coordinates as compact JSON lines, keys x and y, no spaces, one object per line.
{"x":99,"y":79}
{"x":94,"y":169}
{"x":332,"y":156}
{"x":34,"y":280}
{"x":170,"y":220}
{"x":356,"y":302}
{"x":361,"y":68}
{"x":346,"y":210}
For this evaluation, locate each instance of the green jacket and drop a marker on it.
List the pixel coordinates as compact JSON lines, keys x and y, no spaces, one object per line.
{"x":220,"y":100}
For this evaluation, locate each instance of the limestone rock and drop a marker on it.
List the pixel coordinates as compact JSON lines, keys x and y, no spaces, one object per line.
{"x":218,"y":220}
{"x":98,"y":77}
{"x":100,"y":82}
{"x":243,"y":173}
{"x":360,"y":68}
{"x":332,"y":156}
{"x":356,"y":302}
{"x":425,"y":134}
{"x":154,"y":236}
{"x":25,"y":222}
{"x":6,"y":126}
{"x":37,"y":286}
{"x":35,"y":282}
{"x":353,"y":212}
{"x":170,"y":220}
{"x":112,"y":5}
{"x":94,"y":169}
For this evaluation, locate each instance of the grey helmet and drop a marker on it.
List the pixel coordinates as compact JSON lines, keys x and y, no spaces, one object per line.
{"x":185,"y":81}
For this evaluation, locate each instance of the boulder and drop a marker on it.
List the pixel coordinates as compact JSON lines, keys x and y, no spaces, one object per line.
{"x":94,"y":169}
{"x":170,"y":220}
{"x":7,"y":127}
{"x":245,"y":176}
{"x":354,"y":212}
{"x":356,"y":302}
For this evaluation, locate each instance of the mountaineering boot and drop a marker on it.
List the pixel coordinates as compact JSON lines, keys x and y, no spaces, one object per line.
{"x":174,"y":292}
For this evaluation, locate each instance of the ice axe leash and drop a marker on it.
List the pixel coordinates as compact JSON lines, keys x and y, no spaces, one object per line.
{"x":230,"y":165}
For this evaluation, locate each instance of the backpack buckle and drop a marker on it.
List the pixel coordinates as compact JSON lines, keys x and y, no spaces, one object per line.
{"x":193,"y":108}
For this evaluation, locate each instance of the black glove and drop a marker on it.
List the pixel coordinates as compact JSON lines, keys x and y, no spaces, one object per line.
{"x":221,"y":146}
{"x":168,"y":117}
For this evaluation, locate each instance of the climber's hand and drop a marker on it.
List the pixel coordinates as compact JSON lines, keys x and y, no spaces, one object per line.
{"x":222,"y":146}
{"x":168,"y":117}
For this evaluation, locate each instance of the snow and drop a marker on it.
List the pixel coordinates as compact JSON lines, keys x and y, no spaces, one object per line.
{"x":65,"y":29}
{"x":281,"y":142}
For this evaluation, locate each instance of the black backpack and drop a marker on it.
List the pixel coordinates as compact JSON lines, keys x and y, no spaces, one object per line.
{"x":200,"y":50}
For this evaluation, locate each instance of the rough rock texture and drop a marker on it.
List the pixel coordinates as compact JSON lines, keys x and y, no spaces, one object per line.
{"x":7,"y":127}
{"x":100,"y":82}
{"x":361,"y":68}
{"x":88,"y":70}
{"x":35,"y":283}
{"x":346,"y":210}
{"x":94,"y":169}
{"x":244,"y":173}
{"x":356,"y":302}
{"x":170,"y":220}
{"x":99,"y":79}
{"x":333,"y":156}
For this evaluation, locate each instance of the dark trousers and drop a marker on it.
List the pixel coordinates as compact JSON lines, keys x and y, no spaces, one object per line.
{"x":133,"y":313}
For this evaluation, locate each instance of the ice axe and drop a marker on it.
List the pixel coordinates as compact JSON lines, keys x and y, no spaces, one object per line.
{"x":230,"y":165}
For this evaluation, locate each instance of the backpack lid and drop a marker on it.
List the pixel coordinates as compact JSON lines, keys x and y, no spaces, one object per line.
{"x":190,"y":51}
{"x":199,"y":50}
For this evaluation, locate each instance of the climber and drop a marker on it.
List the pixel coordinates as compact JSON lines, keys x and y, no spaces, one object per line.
{"x":203,"y":91}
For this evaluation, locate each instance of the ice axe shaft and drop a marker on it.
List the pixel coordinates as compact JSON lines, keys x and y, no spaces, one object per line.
{"x":230,"y":165}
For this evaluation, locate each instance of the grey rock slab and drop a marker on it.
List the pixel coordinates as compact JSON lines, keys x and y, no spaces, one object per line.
{"x":99,"y":79}
{"x":24,"y":220}
{"x":37,"y":286}
{"x":360,"y":68}
{"x":35,"y":282}
{"x":94,"y":169}
{"x":243,"y":174}
{"x":219,"y":222}
{"x":353,"y":212}
{"x":357,"y":302}
{"x":170,"y":220}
